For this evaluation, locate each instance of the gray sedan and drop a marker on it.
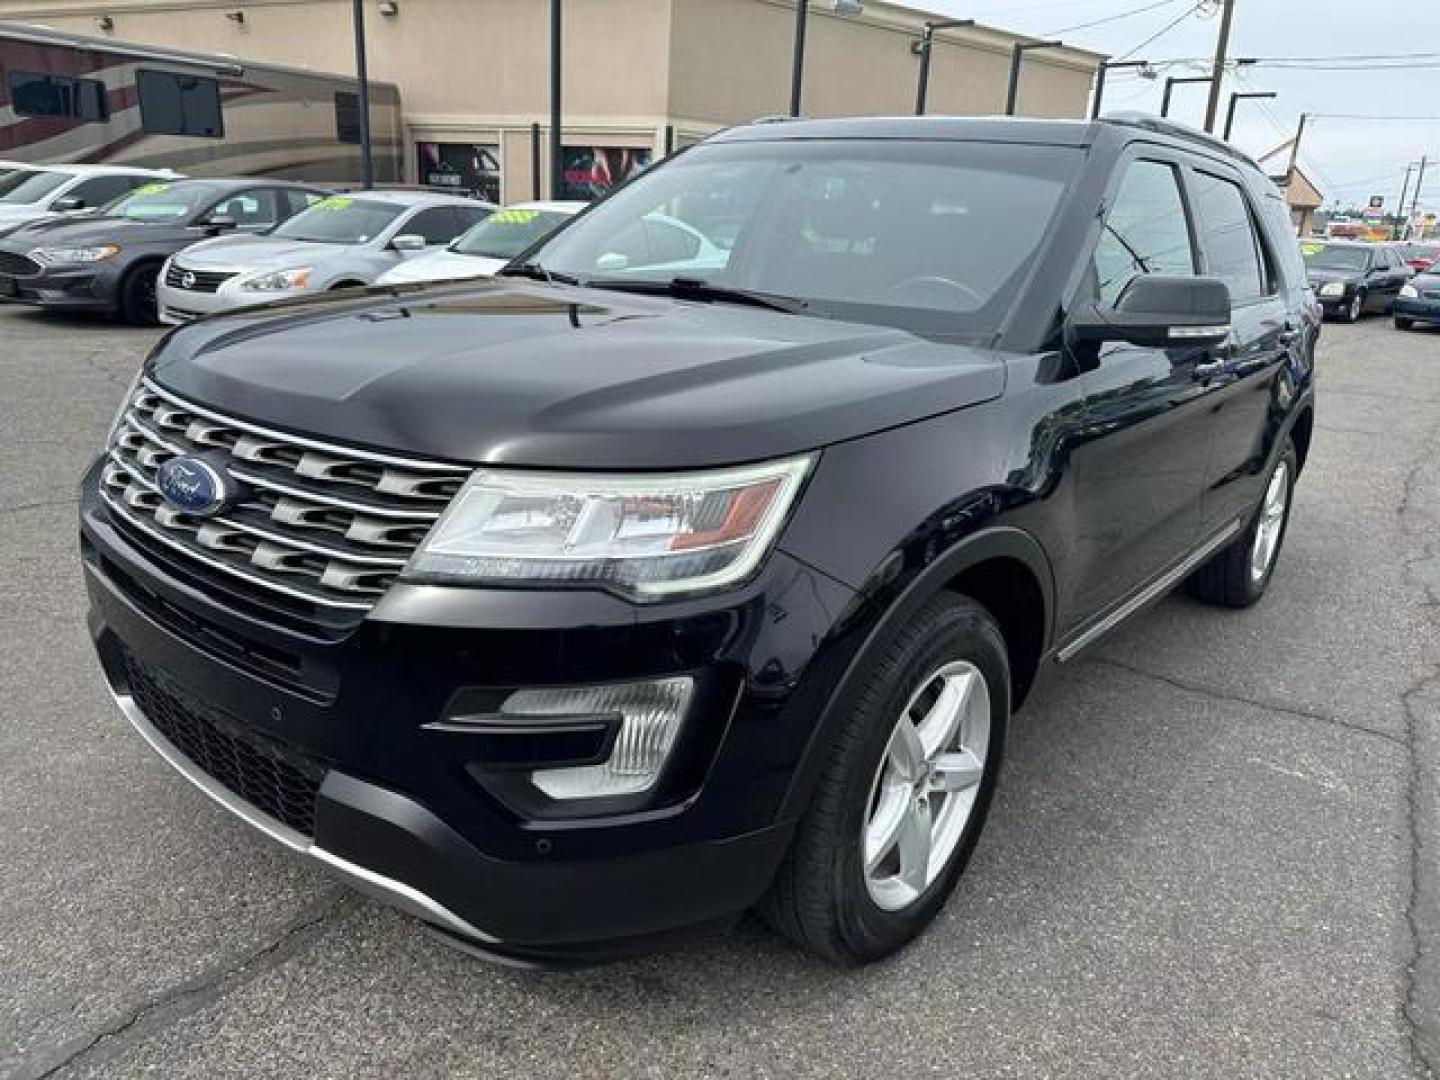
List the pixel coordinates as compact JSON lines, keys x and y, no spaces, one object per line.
{"x":340,"y":241}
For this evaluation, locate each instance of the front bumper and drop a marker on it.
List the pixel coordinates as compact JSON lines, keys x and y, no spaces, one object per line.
{"x":398,"y":809}
{"x":90,"y":288}
{"x":1421,"y":308}
{"x":178,"y":306}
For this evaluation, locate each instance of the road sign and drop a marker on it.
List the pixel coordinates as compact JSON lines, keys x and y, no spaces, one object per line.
{"x":1377,"y":202}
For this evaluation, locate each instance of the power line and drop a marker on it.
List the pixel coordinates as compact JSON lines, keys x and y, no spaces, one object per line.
{"x":1161,"y":32}
{"x":1112,"y":18}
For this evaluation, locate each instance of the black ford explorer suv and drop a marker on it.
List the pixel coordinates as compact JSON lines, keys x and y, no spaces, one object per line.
{"x":697,"y":564}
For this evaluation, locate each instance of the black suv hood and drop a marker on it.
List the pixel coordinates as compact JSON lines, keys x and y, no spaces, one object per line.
{"x":519,"y":373}
{"x":70,"y":232}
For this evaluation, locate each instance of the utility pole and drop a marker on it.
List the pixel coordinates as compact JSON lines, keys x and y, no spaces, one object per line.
{"x":557,"y":153}
{"x":926,"y":45}
{"x":367,"y":161}
{"x":797,"y":66}
{"x":1295,"y":152}
{"x":1419,"y":183}
{"x":1217,"y":72}
{"x":1402,"y":228}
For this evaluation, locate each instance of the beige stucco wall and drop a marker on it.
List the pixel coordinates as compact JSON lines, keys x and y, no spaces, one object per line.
{"x":477,"y":70}
{"x":731,"y":61}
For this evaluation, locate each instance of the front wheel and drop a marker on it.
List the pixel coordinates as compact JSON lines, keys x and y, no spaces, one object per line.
{"x":1402,"y":323}
{"x":904,"y":794}
{"x":1238,"y":576}
{"x":1351,"y":311}
{"x":138,"y":305}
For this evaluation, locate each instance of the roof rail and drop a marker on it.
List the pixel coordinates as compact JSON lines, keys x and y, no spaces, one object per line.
{"x":1163,"y":126}
{"x":774,"y":118}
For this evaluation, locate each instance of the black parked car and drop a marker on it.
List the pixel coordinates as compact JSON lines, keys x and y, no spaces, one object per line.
{"x":642,"y":586}
{"x":1352,"y":278}
{"x":1419,"y":300}
{"x":109,"y":262}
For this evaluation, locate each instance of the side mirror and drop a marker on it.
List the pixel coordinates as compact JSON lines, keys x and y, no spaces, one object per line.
{"x":1159,"y":311}
{"x":218,"y":223}
{"x":408,"y":242}
{"x":68,"y":205}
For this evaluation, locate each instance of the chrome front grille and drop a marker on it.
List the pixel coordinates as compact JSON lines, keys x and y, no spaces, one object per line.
{"x":178,"y":277}
{"x":315,"y":523}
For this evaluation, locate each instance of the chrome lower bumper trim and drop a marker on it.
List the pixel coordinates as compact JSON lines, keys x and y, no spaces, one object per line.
{"x":395,"y":893}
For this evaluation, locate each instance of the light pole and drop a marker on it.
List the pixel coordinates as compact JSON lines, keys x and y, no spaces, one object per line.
{"x":926,"y":44}
{"x":1017,"y":54}
{"x":557,"y":165}
{"x":1106,"y":66}
{"x":797,"y":64}
{"x":1235,"y":99}
{"x":1403,"y":225}
{"x":362,"y":74}
{"x":1172,"y":82}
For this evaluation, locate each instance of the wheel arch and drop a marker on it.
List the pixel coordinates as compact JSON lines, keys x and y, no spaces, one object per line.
{"x":1002,"y":568}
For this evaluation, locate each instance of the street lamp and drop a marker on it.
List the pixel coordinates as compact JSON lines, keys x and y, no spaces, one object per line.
{"x":1017,"y":54}
{"x":1172,"y":82}
{"x":802,"y":18}
{"x":924,"y":47}
{"x":1235,"y":99}
{"x":1109,"y":65}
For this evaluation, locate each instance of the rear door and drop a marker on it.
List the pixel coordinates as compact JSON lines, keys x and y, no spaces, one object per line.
{"x":1242,"y":379}
{"x":1140,"y":472}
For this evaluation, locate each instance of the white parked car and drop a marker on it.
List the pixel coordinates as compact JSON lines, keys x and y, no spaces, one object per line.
{"x":341,"y":241}
{"x":36,"y":192}
{"x":486,"y":248}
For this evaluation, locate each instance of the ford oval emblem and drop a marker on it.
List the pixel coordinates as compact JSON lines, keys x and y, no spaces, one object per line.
{"x":193,"y":485}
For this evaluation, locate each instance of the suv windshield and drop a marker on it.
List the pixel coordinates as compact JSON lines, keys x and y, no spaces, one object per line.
{"x":930,"y":235}
{"x":340,"y":220}
{"x":1335,"y":257}
{"x":165,"y":202}
{"x":23,"y":186}
{"x":506,"y":233}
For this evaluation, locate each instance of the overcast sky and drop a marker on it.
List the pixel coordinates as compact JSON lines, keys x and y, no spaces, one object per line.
{"x":1348,"y":159}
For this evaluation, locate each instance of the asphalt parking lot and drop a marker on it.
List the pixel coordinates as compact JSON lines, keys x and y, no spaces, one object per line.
{"x":1214,"y":853}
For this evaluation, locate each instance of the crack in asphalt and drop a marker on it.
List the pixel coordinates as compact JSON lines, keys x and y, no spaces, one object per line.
{"x":169,"y":1005}
{"x":19,"y":508}
{"x":1420,"y":788}
{"x":1297,"y":711}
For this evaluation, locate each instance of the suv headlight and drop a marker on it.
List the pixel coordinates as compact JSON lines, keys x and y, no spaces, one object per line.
{"x":645,"y":536}
{"x":1409,"y":292}
{"x":66,"y":256}
{"x":278,"y":280}
{"x":1333,"y":288}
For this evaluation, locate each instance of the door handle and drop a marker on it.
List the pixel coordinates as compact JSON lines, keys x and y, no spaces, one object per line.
{"x":1289,"y":336}
{"x":1210,"y":370}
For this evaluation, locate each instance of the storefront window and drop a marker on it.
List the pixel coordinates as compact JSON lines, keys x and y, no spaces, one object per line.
{"x":591,"y":171}
{"x":465,"y":168}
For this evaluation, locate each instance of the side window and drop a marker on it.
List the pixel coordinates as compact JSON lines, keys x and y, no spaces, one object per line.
{"x":255,"y":209}
{"x":33,"y":94}
{"x":437,"y":225}
{"x":1145,"y":231}
{"x":347,"y":117}
{"x":1232,"y":252}
{"x":467,"y":217}
{"x":297,"y":200}
{"x":1282,"y":238}
{"x":99,"y":190}
{"x":175,"y":104}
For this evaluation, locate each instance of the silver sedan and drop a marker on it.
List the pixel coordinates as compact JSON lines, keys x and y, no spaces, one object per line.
{"x":339,"y":242}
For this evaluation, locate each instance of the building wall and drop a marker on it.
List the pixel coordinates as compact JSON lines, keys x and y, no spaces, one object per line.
{"x":476,"y":71}
{"x":732,"y":59}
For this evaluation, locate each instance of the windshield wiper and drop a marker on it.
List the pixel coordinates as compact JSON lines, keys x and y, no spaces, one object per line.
{"x":536,"y":272}
{"x":692,"y":288}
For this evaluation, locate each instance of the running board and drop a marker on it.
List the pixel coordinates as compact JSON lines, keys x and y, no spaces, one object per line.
{"x":1154,"y":591}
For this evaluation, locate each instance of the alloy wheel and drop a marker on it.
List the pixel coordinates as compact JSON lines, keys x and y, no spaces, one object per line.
{"x":925,"y":788}
{"x":1271,"y":522}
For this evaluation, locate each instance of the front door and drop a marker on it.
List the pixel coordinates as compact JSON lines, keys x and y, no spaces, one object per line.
{"x":1140,"y":469}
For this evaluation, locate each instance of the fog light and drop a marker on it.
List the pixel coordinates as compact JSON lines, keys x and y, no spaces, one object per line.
{"x":650,"y":714}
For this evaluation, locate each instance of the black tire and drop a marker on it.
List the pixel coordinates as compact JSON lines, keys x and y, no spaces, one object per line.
{"x":1352,"y":311}
{"x":819,"y":898}
{"x":1402,"y":323}
{"x":138,"y":305}
{"x":1227,"y":580}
